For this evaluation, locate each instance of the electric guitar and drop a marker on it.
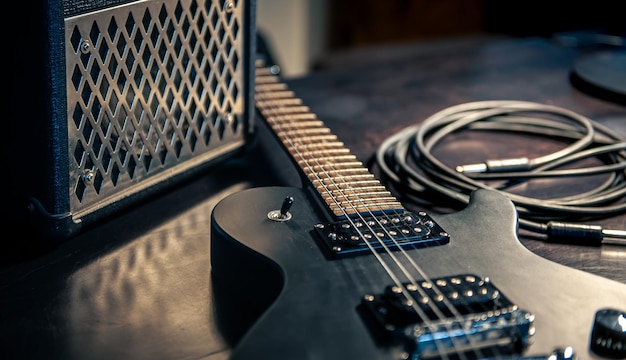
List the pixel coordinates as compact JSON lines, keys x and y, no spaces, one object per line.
{"x":338,"y":269}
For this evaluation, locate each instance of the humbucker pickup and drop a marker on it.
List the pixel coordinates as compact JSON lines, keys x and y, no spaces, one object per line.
{"x":450,"y":315}
{"x":381,"y":233}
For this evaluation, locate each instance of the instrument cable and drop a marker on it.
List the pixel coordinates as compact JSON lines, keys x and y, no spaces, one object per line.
{"x":407,"y":163}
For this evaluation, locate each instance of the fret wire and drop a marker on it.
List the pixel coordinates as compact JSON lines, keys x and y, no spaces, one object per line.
{"x":305,"y":136}
{"x":304,"y":124}
{"x":305,"y":147}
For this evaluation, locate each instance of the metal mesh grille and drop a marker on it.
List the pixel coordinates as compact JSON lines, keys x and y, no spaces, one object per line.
{"x":153,"y":89}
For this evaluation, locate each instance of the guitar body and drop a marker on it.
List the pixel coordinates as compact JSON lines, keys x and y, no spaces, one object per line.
{"x":309,"y":302}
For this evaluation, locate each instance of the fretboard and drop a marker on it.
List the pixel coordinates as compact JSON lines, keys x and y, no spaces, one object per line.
{"x":342,"y":181}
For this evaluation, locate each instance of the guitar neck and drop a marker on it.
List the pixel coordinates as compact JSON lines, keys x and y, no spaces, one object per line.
{"x":345,"y":185}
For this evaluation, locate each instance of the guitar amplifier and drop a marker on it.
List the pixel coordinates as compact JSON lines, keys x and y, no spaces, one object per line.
{"x":113,"y":101}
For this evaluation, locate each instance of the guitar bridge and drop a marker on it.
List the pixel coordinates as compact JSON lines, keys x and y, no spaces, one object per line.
{"x":381,"y":232}
{"x":444,"y":317}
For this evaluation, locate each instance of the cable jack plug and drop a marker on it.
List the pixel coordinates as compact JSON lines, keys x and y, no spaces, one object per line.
{"x":579,"y":234}
{"x":502,"y":165}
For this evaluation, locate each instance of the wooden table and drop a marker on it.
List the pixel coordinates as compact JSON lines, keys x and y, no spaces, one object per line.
{"x":139,"y":285}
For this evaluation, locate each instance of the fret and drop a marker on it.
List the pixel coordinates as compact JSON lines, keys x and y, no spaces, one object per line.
{"x":266,"y":79}
{"x":302,"y":124}
{"x":303,"y":143}
{"x":292,"y":117}
{"x":271,"y":100}
{"x":309,"y":154}
{"x":267,"y":97}
{"x":322,"y":166}
{"x":312,"y":154}
{"x":271,"y":87}
{"x":305,"y":132}
{"x":284,"y":110}
{"x":362,"y":204}
{"x":382,"y":204}
{"x":360,"y":189}
{"x":280,"y":102}
{"x":283,"y":94}
{"x":261,"y":72}
{"x":321,"y":139}
{"x":342,"y":186}
{"x":335,"y":158}
{"x":259,"y":64}
{"x":342,"y":181}
{"x":327,"y":173}
{"x":358,"y":196}
{"x":325,"y":179}
{"x":305,"y":147}
{"x":332,"y":169}
{"x":310,"y":157}
{"x":341,"y":211}
{"x":345,"y":179}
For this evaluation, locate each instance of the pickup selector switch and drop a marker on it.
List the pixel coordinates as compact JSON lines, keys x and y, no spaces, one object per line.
{"x":283,"y":214}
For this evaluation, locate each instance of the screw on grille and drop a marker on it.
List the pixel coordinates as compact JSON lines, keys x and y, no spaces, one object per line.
{"x":229,"y":118}
{"x":89,"y":176}
{"x":85,"y":47}
{"x":229,"y":6}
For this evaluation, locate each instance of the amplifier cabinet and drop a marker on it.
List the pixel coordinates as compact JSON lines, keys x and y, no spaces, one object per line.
{"x":114,"y":101}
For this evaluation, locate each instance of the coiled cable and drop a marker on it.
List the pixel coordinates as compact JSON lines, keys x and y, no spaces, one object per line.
{"x":407,"y":163}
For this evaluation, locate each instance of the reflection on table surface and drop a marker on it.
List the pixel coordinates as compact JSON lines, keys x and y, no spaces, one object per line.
{"x":139,"y":285}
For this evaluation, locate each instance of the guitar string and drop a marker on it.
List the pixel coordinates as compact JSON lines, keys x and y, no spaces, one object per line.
{"x":398,"y":283}
{"x":398,"y":263}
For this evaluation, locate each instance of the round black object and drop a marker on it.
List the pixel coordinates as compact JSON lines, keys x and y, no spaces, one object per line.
{"x":608,"y":336}
{"x":602,"y":74}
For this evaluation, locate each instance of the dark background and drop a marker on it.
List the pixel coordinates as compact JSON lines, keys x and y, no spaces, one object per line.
{"x":355,"y":23}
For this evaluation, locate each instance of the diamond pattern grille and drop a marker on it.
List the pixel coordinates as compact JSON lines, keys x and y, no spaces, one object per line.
{"x":153,"y":89}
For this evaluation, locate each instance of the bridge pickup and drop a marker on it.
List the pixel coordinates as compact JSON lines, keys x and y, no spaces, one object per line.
{"x":381,"y":232}
{"x":444,"y":317}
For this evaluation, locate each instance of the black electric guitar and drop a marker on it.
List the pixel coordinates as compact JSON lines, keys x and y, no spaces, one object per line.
{"x":339,"y":269}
